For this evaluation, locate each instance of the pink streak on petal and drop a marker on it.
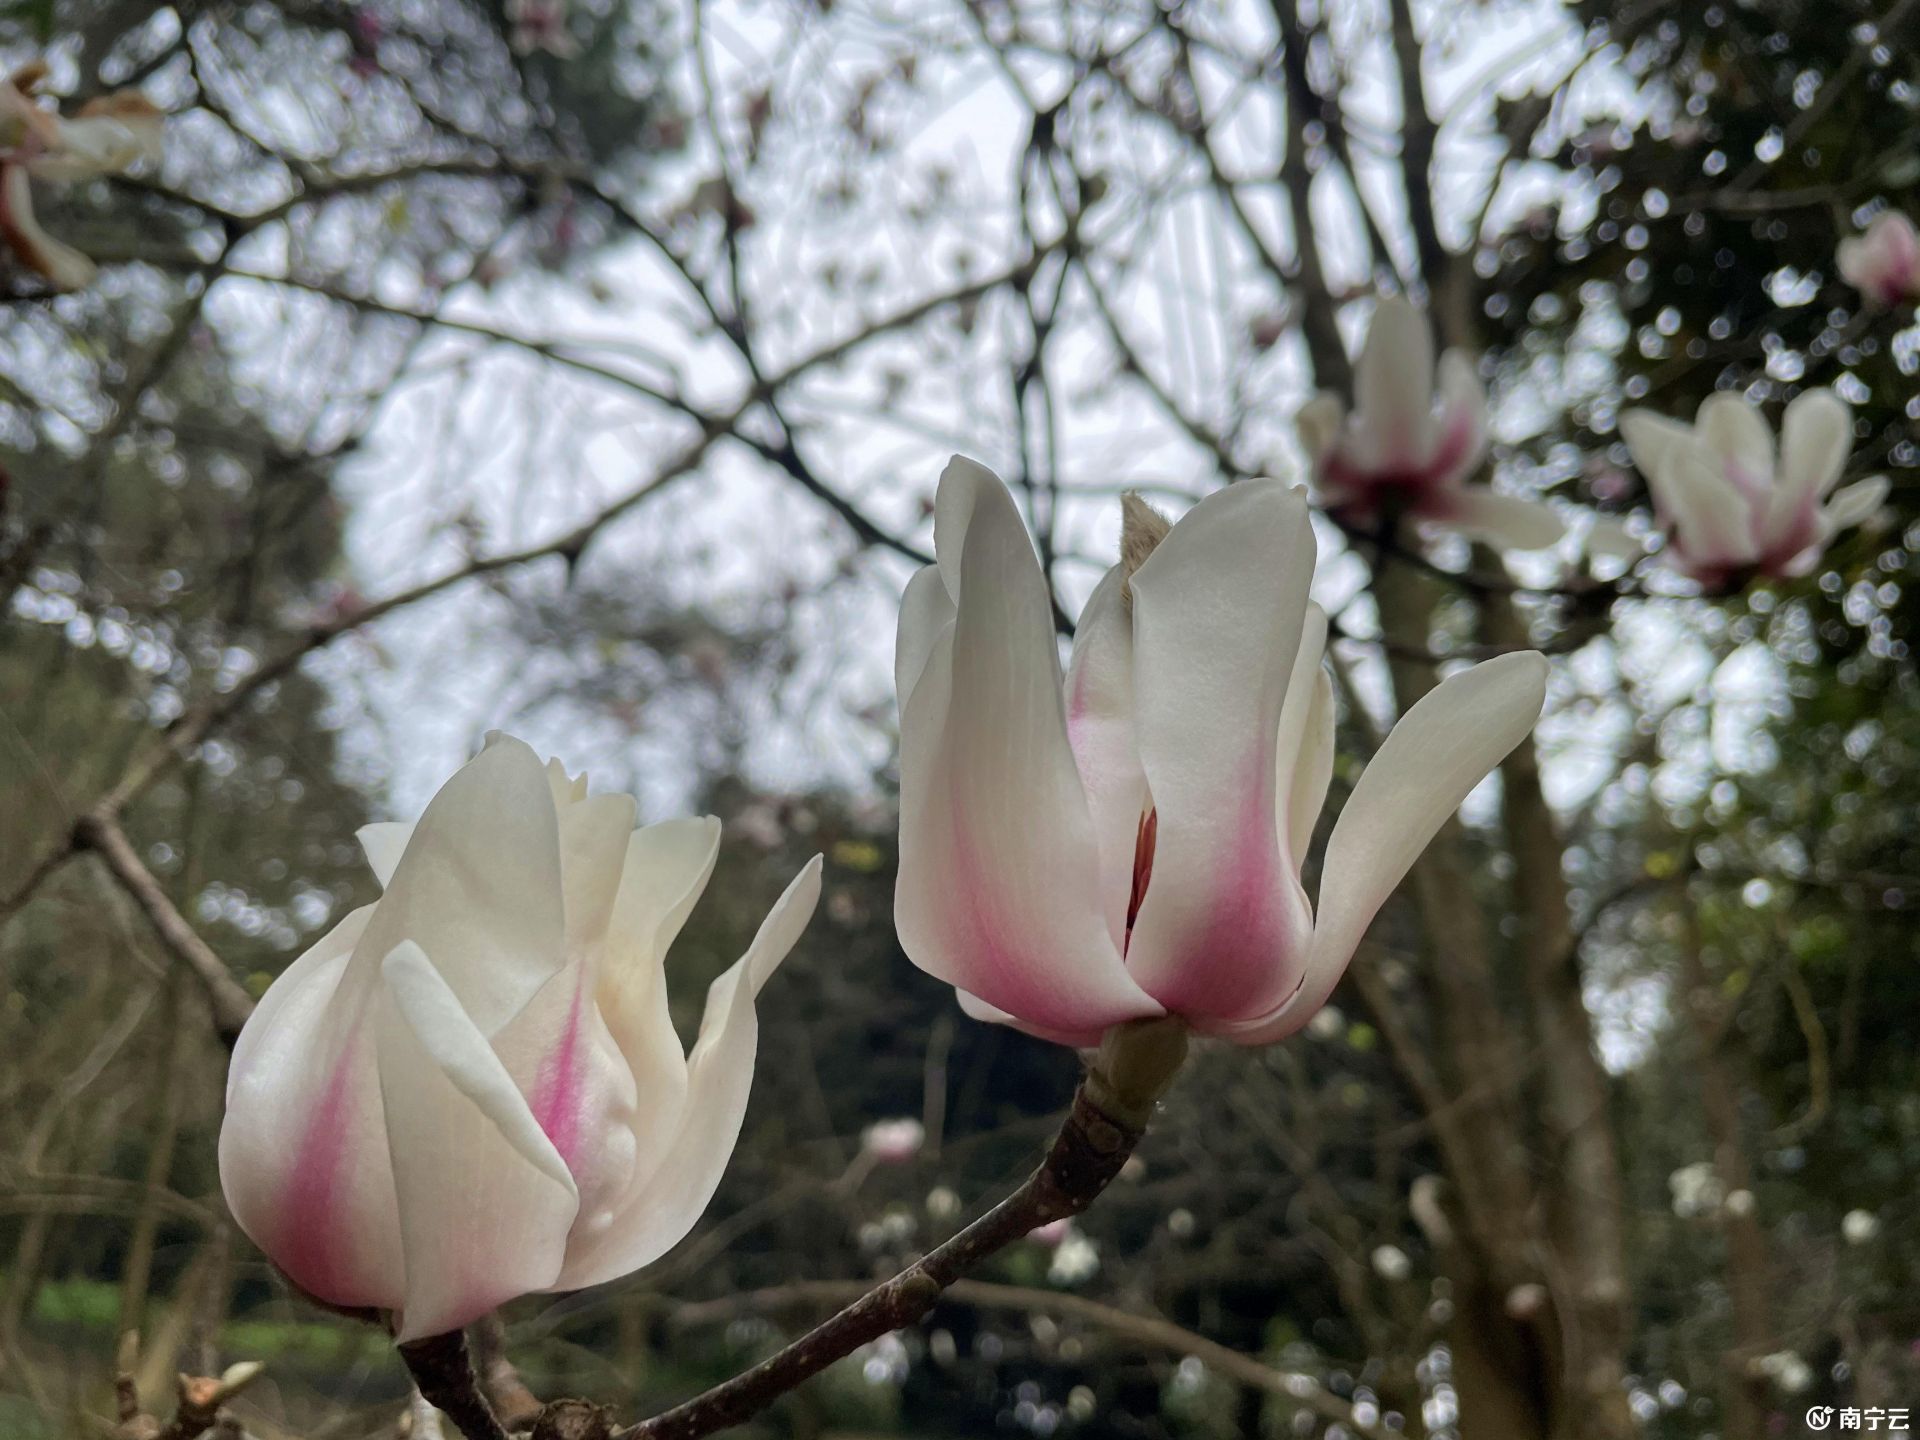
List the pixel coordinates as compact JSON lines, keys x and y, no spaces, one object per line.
{"x":561,"y":1090}
{"x":1245,"y":956}
{"x":309,"y":1247}
{"x":997,"y":970}
{"x":1420,"y":487}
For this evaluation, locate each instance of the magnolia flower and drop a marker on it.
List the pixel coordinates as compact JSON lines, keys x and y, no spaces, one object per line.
{"x":471,"y":1088}
{"x":1731,"y":507}
{"x":894,"y":1142}
{"x":109,"y":136}
{"x":1884,"y":263}
{"x":1129,"y":844}
{"x":540,"y":25}
{"x":1409,"y":445}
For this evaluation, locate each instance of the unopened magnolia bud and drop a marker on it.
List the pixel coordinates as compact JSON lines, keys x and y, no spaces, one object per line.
{"x":1141,"y":529}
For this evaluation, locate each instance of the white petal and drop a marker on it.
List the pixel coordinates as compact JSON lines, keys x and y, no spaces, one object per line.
{"x":1312,"y":769}
{"x":479,"y":886}
{"x":303,"y":1151}
{"x":383,"y":843}
{"x":1856,"y":504}
{"x":1100,"y":727}
{"x":593,"y":849}
{"x":1300,"y":720}
{"x":1737,"y":433}
{"x":999,"y":884}
{"x":664,"y":1207}
{"x":974,"y":1008}
{"x":485,"y":1200}
{"x":1460,"y":437}
{"x":926,"y":613}
{"x":1218,"y":613}
{"x":1653,"y":439}
{"x":1443,"y":747}
{"x":1608,"y":538}
{"x":1816,"y":437}
{"x":1711,"y":522}
{"x":1318,"y":423}
{"x":1506,"y":522}
{"x":1393,"y":383}
{"x":667,"y":868}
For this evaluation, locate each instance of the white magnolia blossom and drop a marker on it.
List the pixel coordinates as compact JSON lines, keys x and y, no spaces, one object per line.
{"x":540,"y":25}
{"x":1732,"y":507}
{"x":1884,"y":263}
{"x":471,"y":1089}
{"x":1126,"y":841}
{"x":894,"y":1142}
{"x":1410,"y":446}
{"x":109,"y":136}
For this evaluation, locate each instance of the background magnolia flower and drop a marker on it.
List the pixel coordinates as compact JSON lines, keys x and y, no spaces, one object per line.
{"x":893,"y":1142}
{"x":110,"y":135}
{"x":1129,"y":843}
{"x":471,"y":1089}
{"x":1409,"y":447}
{"x":1732,"y":507}
{"x":1884,"y":263}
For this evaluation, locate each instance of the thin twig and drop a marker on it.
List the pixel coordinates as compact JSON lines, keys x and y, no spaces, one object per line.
{"x":1108,"y":1116}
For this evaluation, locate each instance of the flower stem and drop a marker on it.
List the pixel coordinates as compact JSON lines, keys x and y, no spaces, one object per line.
{"x":444,"y":1375}
{"x":1104,"y":1124}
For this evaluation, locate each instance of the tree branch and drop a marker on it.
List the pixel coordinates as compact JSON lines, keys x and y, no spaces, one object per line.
{"x":1108,"y":1116}
{"x":100,"y":832}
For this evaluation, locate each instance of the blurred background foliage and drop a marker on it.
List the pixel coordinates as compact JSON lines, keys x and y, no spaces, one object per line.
{"x":407,"y":296}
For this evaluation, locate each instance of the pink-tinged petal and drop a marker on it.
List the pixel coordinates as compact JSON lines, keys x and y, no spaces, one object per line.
{"x":1734,"y":431}
{"x":974,"y":1008}
{"x":479,"y":886}
{"x":1506,"y":522}
{"x":664,"y":1206}
{"x":1462,"y":438}
{"x":926,"y":613}
{"x":1712,"y":523}
{"x":1816,"y":439}
{"x":1100,"y":728}
{"x":999,"y":885}
{"x":1691,"y":494}
{"x":486,"y":1202}
{"x":1393,"y":383}
{"x":1444,"y":746}
{"x":303,"y":1142}
{"x":578,"y":1084}
{"x":1218,"y":610}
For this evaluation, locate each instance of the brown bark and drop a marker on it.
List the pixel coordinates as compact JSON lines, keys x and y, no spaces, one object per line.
{"x":1743,"y":1393}
{"x":1580,"y":1184}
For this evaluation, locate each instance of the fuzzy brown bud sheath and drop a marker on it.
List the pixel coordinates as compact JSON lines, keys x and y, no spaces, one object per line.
{"x":1109,"y":1114}
{"x":1141,"y":529}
